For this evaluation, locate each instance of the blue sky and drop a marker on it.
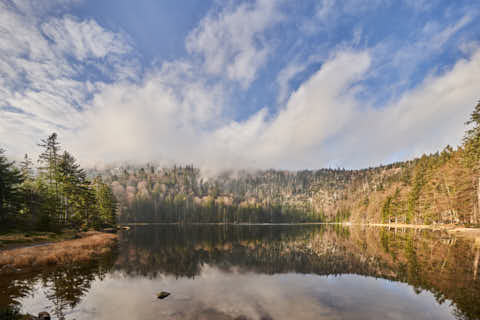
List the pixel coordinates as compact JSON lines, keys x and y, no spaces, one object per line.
{"x":255,"y":84}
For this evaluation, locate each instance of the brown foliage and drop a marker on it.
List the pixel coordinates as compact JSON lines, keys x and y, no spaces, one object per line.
{"x":90,"y":246}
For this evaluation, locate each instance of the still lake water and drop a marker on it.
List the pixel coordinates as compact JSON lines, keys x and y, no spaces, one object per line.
{"x":262,"y":272}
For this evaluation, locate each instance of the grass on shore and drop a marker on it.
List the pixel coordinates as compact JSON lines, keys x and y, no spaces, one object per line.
{"x":12,"y":239}
{"x":91,"y":244}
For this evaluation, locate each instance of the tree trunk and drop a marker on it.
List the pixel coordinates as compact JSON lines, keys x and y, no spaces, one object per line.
{"x":476,"y":212}
{"x":475,"y":263}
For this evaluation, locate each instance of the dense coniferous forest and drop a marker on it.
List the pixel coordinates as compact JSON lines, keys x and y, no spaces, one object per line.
{"x":443,"y":187}
{"x":54,"y":195}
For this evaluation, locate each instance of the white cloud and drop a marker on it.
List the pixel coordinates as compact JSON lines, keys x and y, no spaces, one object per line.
{"x":167,"y":117}
{"x":323,"y":122}
{"x":177,"y":113}
{"x":327,"y":95}
{"x":231,"y":42}
{"x":154,"y":121}
{"x":284,"y":77}
{"x":41,"y":80}
{"x":83,"y":39}
{"x":329,"y":12}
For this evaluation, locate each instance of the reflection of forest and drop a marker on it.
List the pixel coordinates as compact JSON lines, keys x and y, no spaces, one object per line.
{"x":433,"y":261}
{"x":64,"y":286}
{"x":444,"y":265}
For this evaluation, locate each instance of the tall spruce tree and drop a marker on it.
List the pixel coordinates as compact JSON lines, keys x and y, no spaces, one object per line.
{"x":472,"y":156}
{"x":472,"y":138}
{"x":48,"y":161}
{"x":10,"y":188}
{"x":26,"y":167}
{"x":73,"y":182}
{"x":106,"y":203}
{"x":30,"y":192}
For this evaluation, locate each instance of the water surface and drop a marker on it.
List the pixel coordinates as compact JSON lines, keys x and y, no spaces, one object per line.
{"x":262,"y":272}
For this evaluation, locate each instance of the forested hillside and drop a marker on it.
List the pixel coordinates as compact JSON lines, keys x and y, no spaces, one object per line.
{"x":437,"y":188}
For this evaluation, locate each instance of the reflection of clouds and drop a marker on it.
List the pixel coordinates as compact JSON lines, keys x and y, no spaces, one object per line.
{"x":216,"y":294}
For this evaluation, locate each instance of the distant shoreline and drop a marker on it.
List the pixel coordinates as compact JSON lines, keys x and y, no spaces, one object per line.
{"x":446,"y":227}
{"x":473,"y":233}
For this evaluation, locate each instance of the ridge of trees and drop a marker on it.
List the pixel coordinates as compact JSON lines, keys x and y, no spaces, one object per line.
{"x":443,"y":187}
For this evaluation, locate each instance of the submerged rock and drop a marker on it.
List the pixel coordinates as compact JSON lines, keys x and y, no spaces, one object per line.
{"x":43,"y":316}
{"x":163,"y":295}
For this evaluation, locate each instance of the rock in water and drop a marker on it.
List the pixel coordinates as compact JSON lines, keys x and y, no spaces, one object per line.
{"x":43,"y":316}
{"x":163,"y":295}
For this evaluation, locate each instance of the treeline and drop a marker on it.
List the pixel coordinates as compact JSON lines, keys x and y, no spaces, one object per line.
{"x":181,"y":194}
{"x":152,"y":193}
{"x":55,"y":194}
{"x":443,"y":187}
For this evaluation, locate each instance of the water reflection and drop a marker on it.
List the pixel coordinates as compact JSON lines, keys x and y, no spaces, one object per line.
{"x":264,"y":272}
{"x":61,"y":288}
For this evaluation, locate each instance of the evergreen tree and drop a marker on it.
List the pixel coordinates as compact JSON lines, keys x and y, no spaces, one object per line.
{"x":26,"y":167}
{"x":49,"y":160}
{"x":106,"y":203}
{"x":10,"y":188}
{"x":472,"y":138}
{"x":73,"y":181}
{"x":472,"y":156}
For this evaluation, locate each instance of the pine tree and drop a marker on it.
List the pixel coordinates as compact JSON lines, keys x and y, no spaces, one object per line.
{"x":106,"y":203}
{"x":10,"y":190}
{"x":73,"y":181}
{"x":48,"y":160}
{"x":472,"y":155}
{"x":26,"y":167}
{"x":472,"y":138}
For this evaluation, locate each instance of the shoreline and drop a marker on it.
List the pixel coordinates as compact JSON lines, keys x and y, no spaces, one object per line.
{"x":90,"y":245}
{"x":392,"y":225}
{"x":460,"y":231}
{"x":22,"y":239}
{"x":469,"y":232}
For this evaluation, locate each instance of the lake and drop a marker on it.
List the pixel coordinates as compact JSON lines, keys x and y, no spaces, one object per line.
{"x":262,"y":272}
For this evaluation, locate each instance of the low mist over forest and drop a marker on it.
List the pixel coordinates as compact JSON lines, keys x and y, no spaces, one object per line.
{"x":443,"y":188}
{"x":436,"y":188}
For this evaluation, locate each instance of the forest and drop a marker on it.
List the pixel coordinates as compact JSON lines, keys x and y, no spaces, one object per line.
{"x":54,"y":195}
{"x":439,"y":188}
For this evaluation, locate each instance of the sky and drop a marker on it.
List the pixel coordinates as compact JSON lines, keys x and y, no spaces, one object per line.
{"x":238,"y":84}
